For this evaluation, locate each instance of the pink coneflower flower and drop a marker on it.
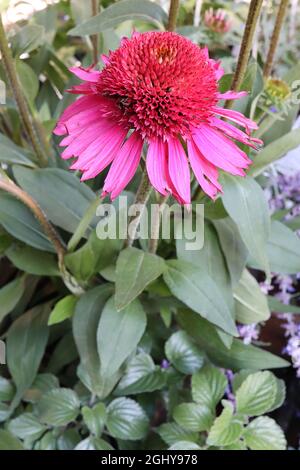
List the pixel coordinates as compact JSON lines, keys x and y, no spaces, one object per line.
{"x":217,"y":21}
{"x":159,"y":89}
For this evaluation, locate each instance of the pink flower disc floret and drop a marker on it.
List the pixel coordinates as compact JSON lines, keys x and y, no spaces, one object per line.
{"x":161,"y":89}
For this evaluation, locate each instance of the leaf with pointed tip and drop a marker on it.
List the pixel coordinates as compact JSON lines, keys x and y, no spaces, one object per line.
{"x":135,"y":270}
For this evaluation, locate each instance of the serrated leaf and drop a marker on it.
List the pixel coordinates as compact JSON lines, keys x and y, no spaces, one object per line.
{"x":246,"y":204}
{"x":251,"y":303}
{"x":63,"y":309}
{"x":58,"y":407}
{"x":264,"y":434}
{"x":118,"y":334}
{"x":196,"y":289}
{"x":135,"y":270}
{"x":120,"y":12}
{"x":185,"y":445}
{"x":42,"y":384}
{"x":6,"y":389}
{"x":183,"y":353}
{"x":9,"y":442}
{"x":26,"y":426}
{"x":208,"y":386}
{"x":257,"y":394}
{"x":227,"y":428}
{"x":141,"y":376}
{"x":126,"y":419}
{"x":172,"y":433}
{"x":193,"y":416}
{"x":95,"y":418}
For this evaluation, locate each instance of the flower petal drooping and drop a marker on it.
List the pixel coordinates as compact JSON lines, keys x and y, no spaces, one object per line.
{"x":159,"y":89}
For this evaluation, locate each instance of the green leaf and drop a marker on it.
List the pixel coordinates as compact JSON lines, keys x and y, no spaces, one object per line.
{"x":141,"y":376}
{"x":27,"y":39}
{"x":210,"y":256}
{"x":26,"y":342}
{"x":11,"y":153}
{"x":32,"y":261}
{"x":95,"y":418}
{"x":28,"y":80}
{"x":274,"y":151}
{"x":135,"y":270}
{"x":118,"y":13}
{"x":195,"y":288}
{"x":26,"y":426}
{"x":58,"y":407}
{"x":126,"y":419}
{"x":227,"y":428}
{"x":185,"y":445}
{"x":63,"y":309}
{"x":172,"y":433}
{"x":251,"y":303}
{"x":6,"y":389}
{"x":9,"y":442}
{"x":233,"y":247}
{"x":92,"y":257}
{"x":276,"y":306}
{"x":10,"y":295}
{"x":239,"y":356}
{"x":264,"y":434}
{"x":19,"y":221}
{"x":208,"y":386}
{"x":41,"y":385}
{"x":183,"y":353}
{"x":257,"y":394}
{"x":283,"y":249}
{"x":60,"y":194}
{"x":85,"y":323}
{"x":118,"y":334}
{"x":246,"y":204}
{"x":193,"y":416}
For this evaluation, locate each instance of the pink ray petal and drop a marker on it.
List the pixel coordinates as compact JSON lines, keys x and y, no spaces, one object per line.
{"x":155,"y":163}
{"x":179,"y":170}
{"x":124,"y":166}
{"x":84,"y":74}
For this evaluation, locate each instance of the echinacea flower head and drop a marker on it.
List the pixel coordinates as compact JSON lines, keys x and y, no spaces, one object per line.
{"x":217,"y":21}
{"x":161,"y":90}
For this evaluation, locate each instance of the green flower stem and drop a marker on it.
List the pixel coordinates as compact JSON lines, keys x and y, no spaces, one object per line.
{"x":153,"y":242}
{"x":94,"y":37}
{"x":141,"y":198}
{"x":83,"y":224}
{"x":173,"y":12}
{"x":25,"y":114}
{"x":247,"y":41}
{"x":275,"y":37}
